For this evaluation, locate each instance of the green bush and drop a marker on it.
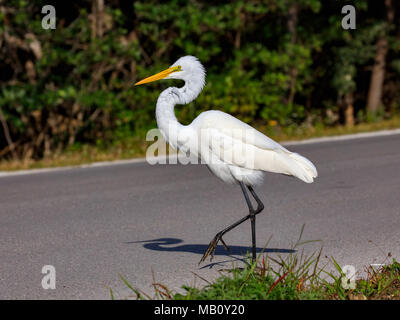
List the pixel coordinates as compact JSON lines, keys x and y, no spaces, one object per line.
{"x":74,"y":84}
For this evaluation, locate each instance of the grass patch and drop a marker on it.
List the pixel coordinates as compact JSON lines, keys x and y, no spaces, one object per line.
{"x":380,"y":284}
{"x":319,"y":130}
{"x":79,"y":154}
{"x":297,"y":277}
{"x":135,"y":147}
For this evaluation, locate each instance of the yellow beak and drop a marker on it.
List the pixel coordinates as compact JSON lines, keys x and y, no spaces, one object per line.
{"x":159,"y":76}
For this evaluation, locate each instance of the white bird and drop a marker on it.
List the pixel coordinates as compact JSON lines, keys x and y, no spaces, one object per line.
{"x":233,"y":151}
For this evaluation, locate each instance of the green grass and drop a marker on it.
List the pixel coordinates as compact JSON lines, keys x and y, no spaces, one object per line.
{"x":135,"y":147}
{"x":293,"y":281}
{"x":256,"y":282}
{"x":295,"y":277}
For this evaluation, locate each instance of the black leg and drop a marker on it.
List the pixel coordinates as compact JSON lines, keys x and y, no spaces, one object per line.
{"x":253,"y":219}
{"x":252,"y":216}
{"x":260,"y":205}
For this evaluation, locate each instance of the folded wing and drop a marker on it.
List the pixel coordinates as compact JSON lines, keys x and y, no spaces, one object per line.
{"x":236,"y":143}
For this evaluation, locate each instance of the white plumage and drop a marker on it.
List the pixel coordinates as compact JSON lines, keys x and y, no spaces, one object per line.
{"x":234,"y":151}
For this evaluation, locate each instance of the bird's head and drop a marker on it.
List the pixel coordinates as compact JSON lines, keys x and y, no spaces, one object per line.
{"x":186,"y":68}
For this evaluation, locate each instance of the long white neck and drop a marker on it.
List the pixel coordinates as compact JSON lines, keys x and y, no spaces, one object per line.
{"x":165,"y":115}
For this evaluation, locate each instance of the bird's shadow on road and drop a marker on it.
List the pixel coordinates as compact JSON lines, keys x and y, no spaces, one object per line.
{"x":164,"y":244}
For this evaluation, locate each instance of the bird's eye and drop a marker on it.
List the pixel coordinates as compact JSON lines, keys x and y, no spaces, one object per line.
{"x":177,"y":68}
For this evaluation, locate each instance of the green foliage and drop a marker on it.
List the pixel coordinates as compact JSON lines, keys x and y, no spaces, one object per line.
{"x":244,"y":284}
{"x":250,"y":284}
{"x":265,"y":65}
{"x":381,"y":283}
{"x":296,"y":277}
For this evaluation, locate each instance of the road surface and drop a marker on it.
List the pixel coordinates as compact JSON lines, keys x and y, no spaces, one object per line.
{"x":95,"y":223}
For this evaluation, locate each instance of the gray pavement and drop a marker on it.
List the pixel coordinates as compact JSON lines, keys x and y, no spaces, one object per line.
{"x":143,"y":221}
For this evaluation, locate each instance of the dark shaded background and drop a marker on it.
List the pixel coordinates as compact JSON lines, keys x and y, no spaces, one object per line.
{"x":277,"y":63}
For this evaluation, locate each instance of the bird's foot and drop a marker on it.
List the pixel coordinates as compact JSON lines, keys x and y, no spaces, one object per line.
{"x":213,"y":246}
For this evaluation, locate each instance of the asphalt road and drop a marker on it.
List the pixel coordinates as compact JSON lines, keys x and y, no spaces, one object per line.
{"x":95,"y":223}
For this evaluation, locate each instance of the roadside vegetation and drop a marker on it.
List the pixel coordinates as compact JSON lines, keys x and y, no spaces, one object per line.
{"x":135,"y":147}
{"x":296,"y":277}
{"x":285,"y":67}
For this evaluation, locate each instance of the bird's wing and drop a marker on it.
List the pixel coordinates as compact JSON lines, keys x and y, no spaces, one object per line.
{"x":224,"y":126}
{"x":235,"y":142}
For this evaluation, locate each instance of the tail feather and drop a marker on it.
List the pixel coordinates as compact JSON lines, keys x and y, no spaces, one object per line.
{"x":298,"y":166}
{"x":308,"y":165}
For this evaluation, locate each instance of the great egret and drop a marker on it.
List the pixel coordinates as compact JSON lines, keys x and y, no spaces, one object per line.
{"x":213,"y":133}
